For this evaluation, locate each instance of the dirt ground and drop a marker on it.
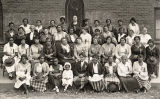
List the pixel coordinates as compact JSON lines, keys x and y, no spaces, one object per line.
{"x":13,"y":94}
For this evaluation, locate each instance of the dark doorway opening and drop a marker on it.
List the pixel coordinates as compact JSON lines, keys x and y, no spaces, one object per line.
{"x":74,"y":7}
{"x":1,"y":23}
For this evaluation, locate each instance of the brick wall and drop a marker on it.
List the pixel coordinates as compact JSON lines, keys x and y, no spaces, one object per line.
{"x":45,"y":10}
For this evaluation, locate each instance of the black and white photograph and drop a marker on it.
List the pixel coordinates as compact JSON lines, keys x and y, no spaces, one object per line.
{"x":79,"y":49}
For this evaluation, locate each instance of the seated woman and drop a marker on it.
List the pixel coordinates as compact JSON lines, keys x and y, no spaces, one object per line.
{"x":36,"y":49}
{"x":23,"y":76}
{"x":87,"y":26}
{"x":97,"y":34}
{"x":67,"y":76}
{"x":95,"y":75}
{"x":80,"y":73}
{"x":86,"y":38}
{"x":130,"y":37}
{"x":19,"y":36}
{"x":23,"y":48}
{"x":55,"y":74}
{"x":45,"y":35}
{"x":10,"y":58}
{"x":141,"y":74}
{"x":40,"y":75}
{"x":137,"y":49}
{"x":121,"y":34}
{"x":79,"y":48}
{"x":122,"y":49}
{"x":94,"y":49}
{"x":145,"y":37}
{"x":152,"y":59}
{"x":124,"y":70}
{"x":110,"y":75}
{"x":97,"y":26}
{"x":49,"y":51}
{"x":65,"y":52}
{"x":107,"y":49}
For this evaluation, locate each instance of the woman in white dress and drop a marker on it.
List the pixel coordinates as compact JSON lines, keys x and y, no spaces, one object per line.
{"x":23,"y":70}
{"x":134,"y":26}
{"x":130,"y":37}
{"x":67,"y":76}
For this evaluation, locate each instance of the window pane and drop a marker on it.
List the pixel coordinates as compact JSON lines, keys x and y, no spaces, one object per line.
{"x":157,"y":13}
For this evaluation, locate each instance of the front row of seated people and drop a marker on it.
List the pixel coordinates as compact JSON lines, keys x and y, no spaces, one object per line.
{"x":35,"y":71}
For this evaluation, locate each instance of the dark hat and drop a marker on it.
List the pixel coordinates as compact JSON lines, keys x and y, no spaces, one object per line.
{"x":9,"y":62}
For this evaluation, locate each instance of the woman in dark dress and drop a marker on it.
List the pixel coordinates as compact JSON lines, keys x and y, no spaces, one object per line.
{"x":152,"y":59}
{"x":55,"y":74}
{"x":20,"y":35}
{"x":137,"y":49}
{"x":65,"y":52}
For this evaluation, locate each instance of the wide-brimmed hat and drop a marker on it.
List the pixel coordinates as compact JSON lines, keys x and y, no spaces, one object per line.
{"x":9,"y":62}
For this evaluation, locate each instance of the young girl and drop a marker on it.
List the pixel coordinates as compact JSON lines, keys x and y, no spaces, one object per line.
{"x":67,"y":76}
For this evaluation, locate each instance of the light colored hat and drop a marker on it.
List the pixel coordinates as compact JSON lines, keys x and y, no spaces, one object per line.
{"x":67,"y":64}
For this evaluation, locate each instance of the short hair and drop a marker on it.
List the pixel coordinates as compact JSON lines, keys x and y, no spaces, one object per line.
{"x":21,"y":28}
{"x":140,"y":56}
{"x":53,"y":21}
{"x":42,"y":55}
{"x":96,"y":21}
{"x":133,"y":19}
{"x":150,"y":41}
{"x":24,"y":56}
{"x":108,"y":38}
{"x":59,"y":26}
{"x":39,"y":21}
{"x":120,"y":20}
{"x":137,"y":37}
{"x":108,"y":20}
{"x":25,"y":19}
{"x":62,"y":18}
{"x":123,"y":39}
{"x":10,"y":23}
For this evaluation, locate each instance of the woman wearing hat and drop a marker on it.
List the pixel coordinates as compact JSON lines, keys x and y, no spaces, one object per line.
{"x":40,"y":75}
{"x":23,"y":70}
{"x":152,"y":59}
{"x":141,"y":74}
{"x":80,"y":72}
{"x":10,"y":58}
{"x":95,"y":75}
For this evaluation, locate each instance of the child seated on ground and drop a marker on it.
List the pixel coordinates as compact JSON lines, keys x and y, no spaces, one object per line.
{"x":67,"y":76}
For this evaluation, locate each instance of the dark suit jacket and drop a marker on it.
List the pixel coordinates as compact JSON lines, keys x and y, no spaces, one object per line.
{"x":80,"y":70}
{"x":30,"y":42}
{"x":91,"y":71}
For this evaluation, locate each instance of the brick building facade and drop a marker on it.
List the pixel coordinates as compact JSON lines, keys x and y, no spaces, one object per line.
{"x":143,"y":10}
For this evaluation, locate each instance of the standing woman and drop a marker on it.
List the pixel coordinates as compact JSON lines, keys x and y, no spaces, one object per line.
{"x":137,"y":49}
{"x":141,"y":74}
{"x":23,"y":70}
{"x":87,"y":27}
{"x":124,"y":71}
{"x":152,"y":59}
{"x":107,"y":49}
{"x":40,"y":75}
{"x":52,"y":28}
{"x":134,"y":26}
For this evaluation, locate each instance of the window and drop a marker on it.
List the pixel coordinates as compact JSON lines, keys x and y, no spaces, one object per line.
{"x":157,"y":23}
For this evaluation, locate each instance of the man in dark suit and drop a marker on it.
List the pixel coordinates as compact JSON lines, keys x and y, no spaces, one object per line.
{"x":30,"y":36}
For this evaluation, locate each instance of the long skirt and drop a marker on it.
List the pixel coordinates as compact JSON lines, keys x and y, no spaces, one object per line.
{"x":39,"y":85}
{"x":97,"y":82}
{"x":153,"y":67}
{"x":111,"y":79}
{"x":143,"y":83}
{"x":129,"y":83}
{"x":80,"y":82}
{"x":56,"y":81}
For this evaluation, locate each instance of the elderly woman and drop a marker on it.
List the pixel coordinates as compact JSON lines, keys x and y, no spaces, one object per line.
{"x":134,"y":26}
{"x":137,"y":49}
{"x":11,"y":55}
{"x":145,"y":37}
{"x":55,"y":74}
{"x":94,"y":49}
{"x":80,"y":73}
{"x":65,"y":52}
{"x":152,"y":59}
{"x":23,"y":48}
{"x":23,"y":70}
{"x":95,"y":75}
{"x":141,"y":74}
{"x":122,"y":49}
{"x":124,"y":70}
{"x":19,"y":36}
{"x":40,"y":75}
{"x":79,"y":48}
{"x":86,"y":38}
{"x":107,"y":49}
{"x":45,"y":35}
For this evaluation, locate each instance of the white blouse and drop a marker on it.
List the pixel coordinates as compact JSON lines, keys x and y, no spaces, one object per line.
{"x":124,"y":69}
